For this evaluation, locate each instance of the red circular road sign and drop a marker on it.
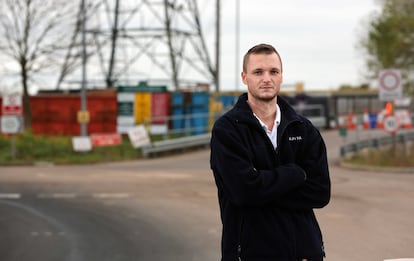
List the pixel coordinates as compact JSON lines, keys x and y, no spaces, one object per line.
{"x":390,"y":80}
{"x":391,"y":124}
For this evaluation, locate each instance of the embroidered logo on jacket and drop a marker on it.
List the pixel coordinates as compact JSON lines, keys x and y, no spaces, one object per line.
{"x":295,"y":138}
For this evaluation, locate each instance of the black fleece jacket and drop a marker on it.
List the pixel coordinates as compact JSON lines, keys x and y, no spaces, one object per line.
{"x":267,"y":196}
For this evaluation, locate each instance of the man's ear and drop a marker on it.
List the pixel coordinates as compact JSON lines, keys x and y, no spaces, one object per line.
{"x":243,"y":77}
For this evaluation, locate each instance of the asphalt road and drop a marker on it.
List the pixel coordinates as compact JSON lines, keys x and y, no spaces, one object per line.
{"x":166,"y":209}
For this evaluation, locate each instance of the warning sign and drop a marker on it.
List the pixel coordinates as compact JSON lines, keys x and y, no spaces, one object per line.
{"x":138,"y":136}
{"x":390,"y":87}
{"x":12,"y":105}
{"x":391,"y":124}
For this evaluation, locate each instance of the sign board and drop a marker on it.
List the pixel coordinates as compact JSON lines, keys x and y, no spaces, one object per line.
{"x":105,"y":139}
{"x":138,"y":136}
{"x":404,"y":118}
{"x":403,"y":102}
{"x":12,"y":105}
{"x":125,"y":118}
{"x":81,"y":143}
{"x":143,"y":86}
{"x":11,"y":124}
{"x":391,"y":124}
{"x":83,"y":116}
{"x":389,"y":84}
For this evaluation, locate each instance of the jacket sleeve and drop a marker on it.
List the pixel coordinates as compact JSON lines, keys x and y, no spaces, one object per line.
{"x":316,"y":191}
{"x":237,"y":177}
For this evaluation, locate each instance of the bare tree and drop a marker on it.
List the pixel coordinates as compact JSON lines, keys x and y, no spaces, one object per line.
{"x":33,"y":34}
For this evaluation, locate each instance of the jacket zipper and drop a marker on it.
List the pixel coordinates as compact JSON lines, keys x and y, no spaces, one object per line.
{"x":239,"y":248}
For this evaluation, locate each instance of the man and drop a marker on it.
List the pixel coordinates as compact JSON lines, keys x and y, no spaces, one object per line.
{"x":271,"y":170}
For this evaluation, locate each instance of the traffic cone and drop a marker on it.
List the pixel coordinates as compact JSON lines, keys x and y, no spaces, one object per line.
{"x":351,"y":121}
{"x":365,"y":120}
{"x":380,"y":119}
{"x":341,"y":121}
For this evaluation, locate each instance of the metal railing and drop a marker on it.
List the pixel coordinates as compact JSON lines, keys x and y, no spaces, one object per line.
{"x":179,"y":132}
{"x":181,"y":125}
{"x":376,"y":143}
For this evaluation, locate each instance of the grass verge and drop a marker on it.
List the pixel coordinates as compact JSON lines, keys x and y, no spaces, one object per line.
{"x":29,"y":149}
{"x":396,"y":155}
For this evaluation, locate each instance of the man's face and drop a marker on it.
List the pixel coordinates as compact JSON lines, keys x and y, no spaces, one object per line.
{"x":263,"y":76}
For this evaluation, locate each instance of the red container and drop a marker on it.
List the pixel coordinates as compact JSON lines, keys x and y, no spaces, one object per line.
{"x":160,"y":103}
{"x":57,"y":114}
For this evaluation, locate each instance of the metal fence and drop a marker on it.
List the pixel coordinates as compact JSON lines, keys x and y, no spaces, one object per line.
{"x":181,"y":125}
{"x":376,"y":143}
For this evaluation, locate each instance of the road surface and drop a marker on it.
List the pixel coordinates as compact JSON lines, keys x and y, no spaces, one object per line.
{"x":166,"y":209}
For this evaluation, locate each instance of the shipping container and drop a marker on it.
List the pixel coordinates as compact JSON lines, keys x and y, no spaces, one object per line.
{"x":142,"y":107}
{"x":57,"y":114}
{"x":177,"y":111}
{"x":199,"y":110}
{"x":160,"y":108}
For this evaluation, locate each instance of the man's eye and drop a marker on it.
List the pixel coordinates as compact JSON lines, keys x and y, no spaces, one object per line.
{"x":275,"y":72}
{"x":257,"y":72}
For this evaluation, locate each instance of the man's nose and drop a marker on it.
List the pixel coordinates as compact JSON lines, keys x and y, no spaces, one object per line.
{"x":266,"y":77}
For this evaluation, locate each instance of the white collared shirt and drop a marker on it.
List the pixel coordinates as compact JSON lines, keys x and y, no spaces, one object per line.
{"x":273,"y":133}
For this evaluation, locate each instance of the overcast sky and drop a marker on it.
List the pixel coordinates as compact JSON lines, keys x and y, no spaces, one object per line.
{"x":316,"y":39}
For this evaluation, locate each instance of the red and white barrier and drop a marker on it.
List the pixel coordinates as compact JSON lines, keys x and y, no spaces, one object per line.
{"x":374,"y":121}
{"x":351,"y":121}
{"x":404,"y":118}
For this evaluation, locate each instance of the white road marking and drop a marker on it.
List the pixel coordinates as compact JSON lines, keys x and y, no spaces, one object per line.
{"x":57,"y":195}
{"x":160,"y":175}
{"x":47,"y":234}
{"x":10,"y":195}
{"x":111,"y":195}
{"x":68,"y":195}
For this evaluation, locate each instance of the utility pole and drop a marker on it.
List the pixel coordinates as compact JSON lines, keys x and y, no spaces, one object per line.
{"x":218,"y":32}
{"x":237,"y":66}
{"x":82,"y":119}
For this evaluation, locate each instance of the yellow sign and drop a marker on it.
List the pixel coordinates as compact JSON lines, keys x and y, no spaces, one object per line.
{"x":83,"y":116}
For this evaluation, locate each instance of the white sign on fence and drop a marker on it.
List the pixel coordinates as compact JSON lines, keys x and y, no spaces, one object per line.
{"x":82,"y":143}
{"x":11,"y":124}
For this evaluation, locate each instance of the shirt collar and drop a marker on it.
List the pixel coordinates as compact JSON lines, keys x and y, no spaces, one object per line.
{"x":278,"y":118}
